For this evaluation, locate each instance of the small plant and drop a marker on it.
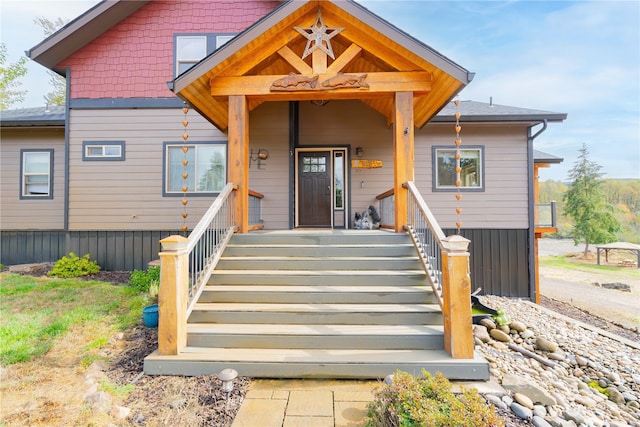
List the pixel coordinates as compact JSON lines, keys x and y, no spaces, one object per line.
{"x":114,"y":389}
{"x":73,"y":266}
{"x":146,"y":281}
{"x":429,"y":401}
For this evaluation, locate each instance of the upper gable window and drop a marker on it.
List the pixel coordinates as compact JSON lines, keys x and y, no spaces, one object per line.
{"x":191,"y":48}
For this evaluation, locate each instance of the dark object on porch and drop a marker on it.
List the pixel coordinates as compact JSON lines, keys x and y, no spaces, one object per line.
{"x":368,"y":220}
{"x":623,"y":246}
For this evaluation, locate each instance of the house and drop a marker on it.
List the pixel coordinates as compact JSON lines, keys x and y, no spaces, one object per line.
{"x":318,"y":109}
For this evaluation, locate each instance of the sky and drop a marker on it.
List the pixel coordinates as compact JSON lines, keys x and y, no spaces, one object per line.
{"x":576,"y":57}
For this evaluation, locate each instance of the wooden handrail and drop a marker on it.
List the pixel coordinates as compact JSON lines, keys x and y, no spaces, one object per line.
{"x":446,"y":262}
{"x":385,"y":194}
{"x":256,"y":194}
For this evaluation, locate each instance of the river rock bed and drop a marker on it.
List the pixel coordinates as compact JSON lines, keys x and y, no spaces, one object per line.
{"x":557,"y":372}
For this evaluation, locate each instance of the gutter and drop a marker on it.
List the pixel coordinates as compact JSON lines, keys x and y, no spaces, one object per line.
{"x":530,"y":201}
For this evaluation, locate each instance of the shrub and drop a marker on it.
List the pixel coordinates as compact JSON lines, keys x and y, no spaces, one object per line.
{"x":146,"y":281}
{"x":429,"y":401}
{"x":73,"y":266}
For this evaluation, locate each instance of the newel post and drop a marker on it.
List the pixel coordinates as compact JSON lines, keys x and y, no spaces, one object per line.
{"x":173,"y":295}
{"x":456,"y":297}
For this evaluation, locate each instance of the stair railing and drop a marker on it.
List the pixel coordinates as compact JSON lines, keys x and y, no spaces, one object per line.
{"x":446,"y":262}
{"x":186,"y":265}
{"x":386,"y":204}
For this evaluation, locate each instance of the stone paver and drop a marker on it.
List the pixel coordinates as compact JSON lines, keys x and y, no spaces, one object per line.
{"x":260,"y":412}
{"x":350,"y":414}
{"x":310,"y":403}
{"x":295,"y":421}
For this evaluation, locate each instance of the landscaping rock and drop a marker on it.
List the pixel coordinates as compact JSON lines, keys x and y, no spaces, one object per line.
{"x":544,"y":344}
{"x":499,"y":335}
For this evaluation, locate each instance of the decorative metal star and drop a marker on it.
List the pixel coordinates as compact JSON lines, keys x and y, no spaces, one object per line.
{"x":318,"y":37}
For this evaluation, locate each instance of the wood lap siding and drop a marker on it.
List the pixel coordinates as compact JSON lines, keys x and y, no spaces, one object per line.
{"x":128,"y":195}
{"x":503,"y":203}
{"x":30,"y":214}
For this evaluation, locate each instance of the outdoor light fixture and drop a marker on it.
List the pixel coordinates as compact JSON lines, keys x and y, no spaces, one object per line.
{"x":359,"y":151}
{"x":258,"y":156}
{"x":227,"y":376}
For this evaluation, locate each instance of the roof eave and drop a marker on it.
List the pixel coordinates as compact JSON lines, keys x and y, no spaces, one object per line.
{"x":82,"y":30}
{"x":525,"y":118}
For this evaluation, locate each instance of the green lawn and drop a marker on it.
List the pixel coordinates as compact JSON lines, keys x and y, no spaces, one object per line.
{"x":36,"y":312}
{"x":568,"y":263}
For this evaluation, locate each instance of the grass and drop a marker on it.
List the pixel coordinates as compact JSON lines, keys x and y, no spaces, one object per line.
{"x":573,"y":264}
{"x":36,"y":312}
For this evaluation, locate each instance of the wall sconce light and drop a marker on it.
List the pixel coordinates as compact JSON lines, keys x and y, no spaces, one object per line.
{"x":320,"y":102}
{"x":227,"y":376}
{"x":359,"y":151}
{"x":258,"y":156}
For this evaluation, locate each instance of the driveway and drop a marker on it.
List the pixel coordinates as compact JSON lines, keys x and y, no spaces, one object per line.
{"x":577,"y":288}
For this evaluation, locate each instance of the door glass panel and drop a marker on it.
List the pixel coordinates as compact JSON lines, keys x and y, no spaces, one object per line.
{"x":338,"y":180}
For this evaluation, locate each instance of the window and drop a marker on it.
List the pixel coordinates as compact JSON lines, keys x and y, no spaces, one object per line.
{"x":192,"y":48}
{"x":471,"y":168}
{"x":338,"y":180}
{"x":206,"y":168}
{"x":102,"y":150}
{"x":36,"y":174}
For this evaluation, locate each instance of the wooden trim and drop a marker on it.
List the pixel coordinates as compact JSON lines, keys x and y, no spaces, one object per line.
{"x":351,"y":54}
{"x":542,"y":230}
{"x":385,"y":194}
{"x":456,"y":297}
{"x":172,"y":297}
{"x":238,"y":171}
{"x":294,"y":60}
{"x":260,"y":86}
{"x":256,"y":194}
{"x":403,"y":155}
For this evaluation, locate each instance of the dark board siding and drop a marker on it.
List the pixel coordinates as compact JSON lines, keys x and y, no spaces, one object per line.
{"x":113,"y":250}
{"x":499,"y":261}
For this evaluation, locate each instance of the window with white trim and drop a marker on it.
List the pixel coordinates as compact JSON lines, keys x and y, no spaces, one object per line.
{"x":206,"y":168}
{"x":36,"y":174}
{"x":192,"y":48}
{"x":471,"y":168}
{"x":102,"y":150}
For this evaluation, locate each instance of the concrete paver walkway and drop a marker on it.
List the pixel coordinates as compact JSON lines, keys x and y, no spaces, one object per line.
{"x":306,"y":403}
{"x":320,"y":403}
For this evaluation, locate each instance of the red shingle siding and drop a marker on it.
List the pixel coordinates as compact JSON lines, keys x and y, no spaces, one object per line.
{"x":134,"y":59}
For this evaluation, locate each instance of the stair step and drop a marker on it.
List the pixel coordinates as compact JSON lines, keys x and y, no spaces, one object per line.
{"x":315,"y":237}
{"x":344,"y":250}
{"x":315,"y":363}
{"x":317,"y":294}
{"x":367,"y":314}
{"x":318,"y":277}
{"x":315,"y":263}
{"x":296,"y":336}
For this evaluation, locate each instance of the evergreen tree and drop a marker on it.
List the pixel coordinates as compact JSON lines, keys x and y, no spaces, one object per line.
{"x":586,"y":203}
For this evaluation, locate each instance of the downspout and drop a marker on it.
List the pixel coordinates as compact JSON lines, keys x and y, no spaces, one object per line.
{"x":67,"y":150}
{"x":532,"y":225}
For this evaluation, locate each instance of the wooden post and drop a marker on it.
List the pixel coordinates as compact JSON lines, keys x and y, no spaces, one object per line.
{"x":456,"y":298}
{"x":173,"y":295}
{"x":238,"y":149}
{"x":403,"y":143}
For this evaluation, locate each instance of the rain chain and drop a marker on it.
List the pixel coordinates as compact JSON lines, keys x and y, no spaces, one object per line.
{"x":185,"y":172}
{"x":458,"y":167}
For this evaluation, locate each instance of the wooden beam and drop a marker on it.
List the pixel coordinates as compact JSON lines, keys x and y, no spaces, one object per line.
{"x":294,"y":60}
{"x":403,"y":143}
{"x":319,"y":61}
{"x":402,"y":81}
{"x":238,"y":148}
{"x":345,"y":59}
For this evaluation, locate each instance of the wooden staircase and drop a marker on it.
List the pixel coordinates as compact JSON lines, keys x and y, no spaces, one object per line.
{"x":317,"y":304}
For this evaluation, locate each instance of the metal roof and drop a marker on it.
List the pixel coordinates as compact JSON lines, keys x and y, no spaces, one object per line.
{"x":542,"y":157}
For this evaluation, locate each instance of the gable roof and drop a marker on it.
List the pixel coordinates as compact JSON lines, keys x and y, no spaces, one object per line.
{"x":270,"y":48}
{"x":81,"y":31}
